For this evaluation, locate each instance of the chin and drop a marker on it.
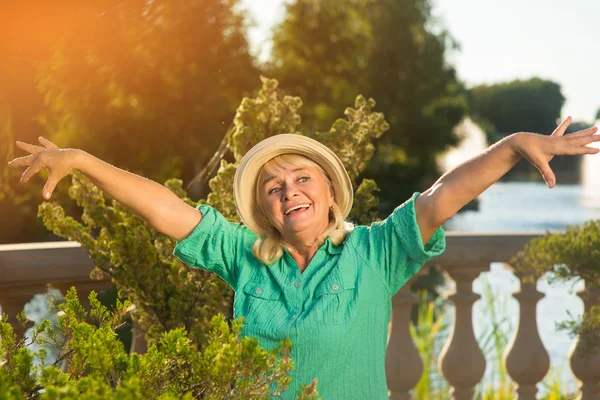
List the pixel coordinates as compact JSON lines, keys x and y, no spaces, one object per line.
{"x":300,"y":226}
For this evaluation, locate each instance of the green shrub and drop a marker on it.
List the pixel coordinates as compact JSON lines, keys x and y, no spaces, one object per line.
{"x":574,"y":254}
{"x":97,"y":366}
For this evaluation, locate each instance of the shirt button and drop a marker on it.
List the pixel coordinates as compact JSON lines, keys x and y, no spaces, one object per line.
{"x":335,"y":287}
{"x":297,"y":284}
{"x":258,"y":291}
{"x":293,"y":316}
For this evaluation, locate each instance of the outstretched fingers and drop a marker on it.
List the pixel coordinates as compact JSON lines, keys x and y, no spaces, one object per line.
{"x":583,"y":141}
{"x":33,"y":169}
{"x":47,"y":143}
{"x":21,"y":161}
{"x":583,"y":133}
{"x":30,"y":148}
{"x":574,"y":150}
{"x":560,"y":130}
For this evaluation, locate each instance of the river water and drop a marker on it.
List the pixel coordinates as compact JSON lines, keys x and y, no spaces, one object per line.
{"x":528,"y":207}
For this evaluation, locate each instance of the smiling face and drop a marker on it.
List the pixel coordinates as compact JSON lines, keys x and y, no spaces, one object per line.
{"x":295,"y":194}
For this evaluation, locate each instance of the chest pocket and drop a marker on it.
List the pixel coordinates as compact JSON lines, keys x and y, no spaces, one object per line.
{"x":261,"y":302}
{"x":335,"y":299}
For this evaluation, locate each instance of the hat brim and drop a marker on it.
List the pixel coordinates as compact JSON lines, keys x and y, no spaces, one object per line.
{"x":246,"y":175}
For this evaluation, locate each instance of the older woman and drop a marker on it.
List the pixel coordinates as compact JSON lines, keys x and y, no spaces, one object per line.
{"x":298,"y":269}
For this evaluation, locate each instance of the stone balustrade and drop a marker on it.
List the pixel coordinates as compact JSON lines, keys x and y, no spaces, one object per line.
{"x":27,"y":269}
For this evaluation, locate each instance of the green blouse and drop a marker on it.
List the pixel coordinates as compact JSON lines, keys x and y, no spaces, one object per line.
{"x":336,"y":312}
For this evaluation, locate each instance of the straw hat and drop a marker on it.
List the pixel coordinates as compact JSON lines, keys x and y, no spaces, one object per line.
{"x":244,"y":183}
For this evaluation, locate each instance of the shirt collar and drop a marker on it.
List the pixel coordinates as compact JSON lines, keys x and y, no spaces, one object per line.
{"x":328,"y":246}
{"x":331,"y":249}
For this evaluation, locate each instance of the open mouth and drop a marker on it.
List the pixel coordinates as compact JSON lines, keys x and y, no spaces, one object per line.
{"x":297,"y":210}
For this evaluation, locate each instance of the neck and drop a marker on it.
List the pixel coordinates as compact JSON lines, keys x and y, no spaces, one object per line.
{"x":304,"y":244}
{"x":302,"y":250}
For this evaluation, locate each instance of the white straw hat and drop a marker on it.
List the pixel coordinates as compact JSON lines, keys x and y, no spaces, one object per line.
{"x":246,"y":175}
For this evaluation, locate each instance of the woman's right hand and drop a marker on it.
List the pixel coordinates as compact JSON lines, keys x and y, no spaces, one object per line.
{"x":58,"y":162}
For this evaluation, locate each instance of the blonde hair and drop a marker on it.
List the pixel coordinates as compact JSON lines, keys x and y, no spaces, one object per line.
{"x":269,"y":249}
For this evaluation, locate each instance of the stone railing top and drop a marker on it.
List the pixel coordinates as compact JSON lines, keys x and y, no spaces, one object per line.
{"x":41,"y":263}
{"x":481,"y":249}
{"x":67,"y":261}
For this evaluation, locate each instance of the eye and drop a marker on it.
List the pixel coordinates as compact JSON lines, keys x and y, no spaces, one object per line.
{"x":273,"y":190}
{"x":303,"y":179}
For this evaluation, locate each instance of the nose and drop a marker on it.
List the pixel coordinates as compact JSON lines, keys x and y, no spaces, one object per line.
{"x":288,"y":192}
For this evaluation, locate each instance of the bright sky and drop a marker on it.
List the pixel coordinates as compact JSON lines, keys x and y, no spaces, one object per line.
{"x":503,"y":40}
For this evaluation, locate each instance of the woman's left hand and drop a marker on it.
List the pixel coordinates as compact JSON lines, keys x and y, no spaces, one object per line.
{"x":540,"y":149}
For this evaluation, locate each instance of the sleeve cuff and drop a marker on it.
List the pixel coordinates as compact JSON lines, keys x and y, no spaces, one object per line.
{"x":185,"y":250}
{"x":405,"y":217}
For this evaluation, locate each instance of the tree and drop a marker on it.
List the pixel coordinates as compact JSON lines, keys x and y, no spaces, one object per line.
{"x":137,"y":82}
{"x":387,"y":49}
{"x":531,"y":105}
{"x":418,"y":91}
{"x":320,"y":54}
{"x":130,"y":81}
{"x":27,"y":33}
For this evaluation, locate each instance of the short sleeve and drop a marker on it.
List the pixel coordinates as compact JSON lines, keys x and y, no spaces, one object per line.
{"x":393,"y":248}
{"x":213,"y":245}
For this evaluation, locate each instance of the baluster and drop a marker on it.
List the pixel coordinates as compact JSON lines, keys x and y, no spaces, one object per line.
{"x":138,"y":339}
{"x":12,"y":305}
{"x":461,"y":361}
{"x":403,"y":365}
{"x":525,"y":357}
{"x":586,"y":366}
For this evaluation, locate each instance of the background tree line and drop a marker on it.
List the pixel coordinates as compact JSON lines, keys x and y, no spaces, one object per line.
{"x":153,"y":86}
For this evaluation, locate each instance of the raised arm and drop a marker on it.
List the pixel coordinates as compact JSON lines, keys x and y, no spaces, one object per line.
{"x":464,"y":183}
{"x":156,"y":204}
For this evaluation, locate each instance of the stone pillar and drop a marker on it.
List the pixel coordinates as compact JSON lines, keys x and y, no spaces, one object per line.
{"x":525,"y":357}
{"x":138,"y":339}
{"x":12,"y":304}
{"x":462,"y":362}
{"x":585,"y":366}
{"x":403,"y":365}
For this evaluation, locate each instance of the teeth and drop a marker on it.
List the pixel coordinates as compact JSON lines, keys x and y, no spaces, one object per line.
{"x":297,"y":207}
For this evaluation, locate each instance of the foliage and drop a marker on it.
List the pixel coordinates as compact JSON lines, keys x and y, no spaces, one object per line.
{"x":96,"y":366}
{"x":388,"y":50}
{"x":132,"y":82}
{"x":555,"y":390}
{"x":574,"y":254}
{"x":166,"y":293}
{"x":156,"y":79}
{"x":417,"y":90}
{"x":428,"y":333}
{"x":271,"y":113}
{"x":320,"y":53}
{"x":492,"y":341}
{"x":531,"y":105}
